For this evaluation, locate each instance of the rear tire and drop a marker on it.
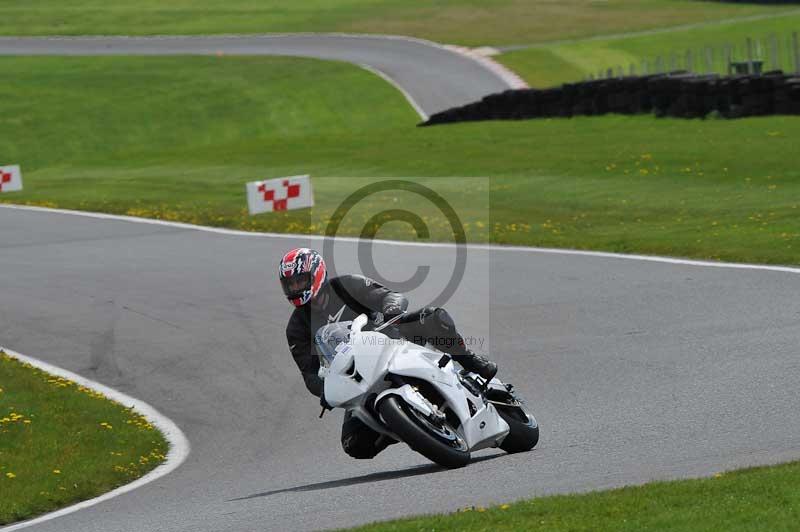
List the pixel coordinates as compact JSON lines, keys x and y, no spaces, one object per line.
{"x":394,"y":412}
{"x":524,"y":433}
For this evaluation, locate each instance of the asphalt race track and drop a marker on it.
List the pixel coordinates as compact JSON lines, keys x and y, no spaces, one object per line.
{"x":434,"y":77}
{"x":636,"y":370}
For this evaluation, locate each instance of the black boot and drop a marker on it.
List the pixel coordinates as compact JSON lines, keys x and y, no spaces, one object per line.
{"x":360,"y":441}
{"x":477,"y":364}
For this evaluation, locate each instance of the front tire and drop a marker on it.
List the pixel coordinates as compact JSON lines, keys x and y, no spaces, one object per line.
{"x":524,"y":433}
{"x":396,"y":415}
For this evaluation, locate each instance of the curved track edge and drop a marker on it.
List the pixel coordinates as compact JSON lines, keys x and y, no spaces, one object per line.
{"x":178,"y":443}
{"x":410,"y":99}
{"x":502,"y":72}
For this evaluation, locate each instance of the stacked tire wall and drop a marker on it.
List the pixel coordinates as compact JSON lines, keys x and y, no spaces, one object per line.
{"x":677,"y":94}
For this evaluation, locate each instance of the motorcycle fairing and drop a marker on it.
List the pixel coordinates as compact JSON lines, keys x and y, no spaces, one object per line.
{"x":358,"y":373}
{"x":484,"y":428}
{"x":359,"y":367}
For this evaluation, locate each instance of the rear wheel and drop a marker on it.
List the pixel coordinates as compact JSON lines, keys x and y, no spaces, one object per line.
{"x":524,"y":433}
{"x":437,"y":442}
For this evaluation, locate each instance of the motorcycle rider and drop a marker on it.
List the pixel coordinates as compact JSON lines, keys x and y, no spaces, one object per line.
{"x":319,"y":301}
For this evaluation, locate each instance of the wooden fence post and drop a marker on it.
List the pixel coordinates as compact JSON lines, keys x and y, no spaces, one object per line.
{"x":775,"y":63}
{"x":729,"y":57}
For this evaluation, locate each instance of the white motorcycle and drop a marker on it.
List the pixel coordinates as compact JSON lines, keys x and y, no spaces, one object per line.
{"x":418,"y":395}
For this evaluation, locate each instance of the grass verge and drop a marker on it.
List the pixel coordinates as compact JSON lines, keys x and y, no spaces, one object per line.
{"x":765,"y":498}
{"x":177,"y":138}
{"x":553,"y":64}
{"x":475,"y":22}
{"x":61,"y":443}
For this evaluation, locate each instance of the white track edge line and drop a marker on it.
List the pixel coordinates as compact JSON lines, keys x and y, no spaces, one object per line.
{"x":385,"y":77}
{"x":487,"y":247}
{"x":178,"y":450}
{"x":509,"y":77}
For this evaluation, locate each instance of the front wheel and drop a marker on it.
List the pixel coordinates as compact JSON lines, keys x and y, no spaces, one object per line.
{"x":524,"y":433}
{"x":438,"y":443}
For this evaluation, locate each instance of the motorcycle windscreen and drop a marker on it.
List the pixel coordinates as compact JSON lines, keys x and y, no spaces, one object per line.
{"x":329,"y":341}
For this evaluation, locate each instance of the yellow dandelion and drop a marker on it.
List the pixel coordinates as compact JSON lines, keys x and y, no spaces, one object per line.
{"x":505,"y":506}
{"x":57,"y":471}
{"x":11,"y":475}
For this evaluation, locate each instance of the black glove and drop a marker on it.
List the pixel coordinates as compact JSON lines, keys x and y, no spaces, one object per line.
{"x":391,"y":310}
{"x":377,"y":318}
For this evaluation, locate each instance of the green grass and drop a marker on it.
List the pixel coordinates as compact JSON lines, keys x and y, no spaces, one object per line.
{"x":766,"y":498}
{"x":474,"y":22}
{"x":552,"y":64}
{"x":177,"y":138}
{"x":61,"y":443}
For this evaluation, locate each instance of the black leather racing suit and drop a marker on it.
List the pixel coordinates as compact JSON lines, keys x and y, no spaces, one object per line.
{"x":343,"y":299}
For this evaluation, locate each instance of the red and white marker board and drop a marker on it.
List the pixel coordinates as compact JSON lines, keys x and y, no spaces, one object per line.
{"x":282,"y":194}
{"x":10,"y":179}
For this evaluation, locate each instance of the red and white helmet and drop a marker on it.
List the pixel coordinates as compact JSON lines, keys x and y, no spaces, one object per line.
{"x":302,"y":273}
